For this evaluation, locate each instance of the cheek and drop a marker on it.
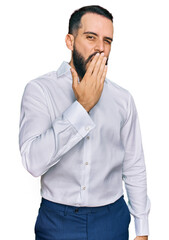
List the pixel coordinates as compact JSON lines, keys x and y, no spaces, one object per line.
{"x":85,"y":46}
{"x":83,"y":49}
{"x":108,"y":49}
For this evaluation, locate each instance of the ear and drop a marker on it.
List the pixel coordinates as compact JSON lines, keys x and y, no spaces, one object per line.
{"x":69,"y":39}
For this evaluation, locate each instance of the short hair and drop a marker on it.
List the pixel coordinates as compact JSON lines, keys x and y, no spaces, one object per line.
{"x":75,"y":18}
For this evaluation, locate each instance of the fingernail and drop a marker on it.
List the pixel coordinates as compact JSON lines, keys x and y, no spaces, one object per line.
{"x":102,"y":54}
{"x":97,"y":54}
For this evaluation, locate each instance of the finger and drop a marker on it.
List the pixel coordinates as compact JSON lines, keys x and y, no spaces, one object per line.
{"x":98,"y":64}
{"x":102,"y":66}
{"x":74,"y":77}
{"x":104,"y":74}
{"x":92,"y":64}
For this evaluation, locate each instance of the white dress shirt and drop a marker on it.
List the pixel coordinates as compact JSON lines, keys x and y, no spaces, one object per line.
{"x":83,"y":157}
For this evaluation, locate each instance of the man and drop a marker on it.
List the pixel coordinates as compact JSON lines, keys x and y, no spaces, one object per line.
{"x":80,"y":132}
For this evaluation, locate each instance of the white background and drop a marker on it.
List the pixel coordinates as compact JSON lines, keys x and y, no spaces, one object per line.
{"x":32,"y":43}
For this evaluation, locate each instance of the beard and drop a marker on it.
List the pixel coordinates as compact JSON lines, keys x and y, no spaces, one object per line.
{"x":80,"y":62}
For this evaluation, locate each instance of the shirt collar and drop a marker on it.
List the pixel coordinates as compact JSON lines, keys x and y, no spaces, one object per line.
{"x":64,"y":69}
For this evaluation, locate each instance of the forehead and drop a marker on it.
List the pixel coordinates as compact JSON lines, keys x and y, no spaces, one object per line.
{"x":96,"y":23}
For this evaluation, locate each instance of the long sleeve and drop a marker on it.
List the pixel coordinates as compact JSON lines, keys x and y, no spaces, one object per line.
{"x":134,"y":171}
{"x":43,"y":142}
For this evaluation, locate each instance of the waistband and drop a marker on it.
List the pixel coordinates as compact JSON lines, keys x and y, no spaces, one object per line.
{"x":76,"y":209}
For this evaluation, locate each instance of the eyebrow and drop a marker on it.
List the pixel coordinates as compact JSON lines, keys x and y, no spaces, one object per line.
{"x":93,"y":33}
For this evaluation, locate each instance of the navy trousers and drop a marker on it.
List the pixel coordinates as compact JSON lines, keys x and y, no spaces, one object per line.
{"x":62,"y":222}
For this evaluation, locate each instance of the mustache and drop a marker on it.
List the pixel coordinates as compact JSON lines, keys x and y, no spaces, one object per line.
{"x":92,"y":55}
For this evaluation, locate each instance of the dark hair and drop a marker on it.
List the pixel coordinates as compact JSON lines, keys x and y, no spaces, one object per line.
{"x":75,"y":19}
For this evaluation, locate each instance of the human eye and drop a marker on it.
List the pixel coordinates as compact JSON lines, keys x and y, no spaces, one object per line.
{"x":90,"y":37}
{"x":108,"y":41}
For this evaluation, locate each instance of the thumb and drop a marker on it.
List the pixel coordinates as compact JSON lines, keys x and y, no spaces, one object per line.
{"x":74,"y":77}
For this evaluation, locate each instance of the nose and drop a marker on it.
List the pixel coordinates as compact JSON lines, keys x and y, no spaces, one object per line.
{"x":99,"y":47}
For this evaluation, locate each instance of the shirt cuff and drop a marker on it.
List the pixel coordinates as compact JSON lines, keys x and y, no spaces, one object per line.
{"x":142,"y":226}
{"x":79,"y":118}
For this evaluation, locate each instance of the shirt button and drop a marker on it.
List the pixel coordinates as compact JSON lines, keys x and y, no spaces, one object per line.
{"x":88,"y":137}
{"x":84,"y":188}
{"x":86,"y":163}
{"x":87,"y":128}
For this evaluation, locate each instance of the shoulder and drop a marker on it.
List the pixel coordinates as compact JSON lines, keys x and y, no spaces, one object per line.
{"x":117,"y":91}
{"x":41,"y":82}
{"x":44,"y":79}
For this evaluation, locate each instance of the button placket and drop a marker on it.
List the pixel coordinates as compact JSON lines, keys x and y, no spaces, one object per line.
{"x":85,"y":167}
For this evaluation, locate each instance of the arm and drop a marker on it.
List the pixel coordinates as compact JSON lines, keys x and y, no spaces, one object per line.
{"x":134,"y":171}
{"x":42,"y":142}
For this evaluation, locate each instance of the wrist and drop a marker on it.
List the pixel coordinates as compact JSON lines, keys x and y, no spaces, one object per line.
{"x":87,"y":108}
{"x":141,"y":238}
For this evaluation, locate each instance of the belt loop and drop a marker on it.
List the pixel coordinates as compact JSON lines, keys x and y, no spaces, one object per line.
{"x":108,"y":207}
{"x":65,"y":211}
